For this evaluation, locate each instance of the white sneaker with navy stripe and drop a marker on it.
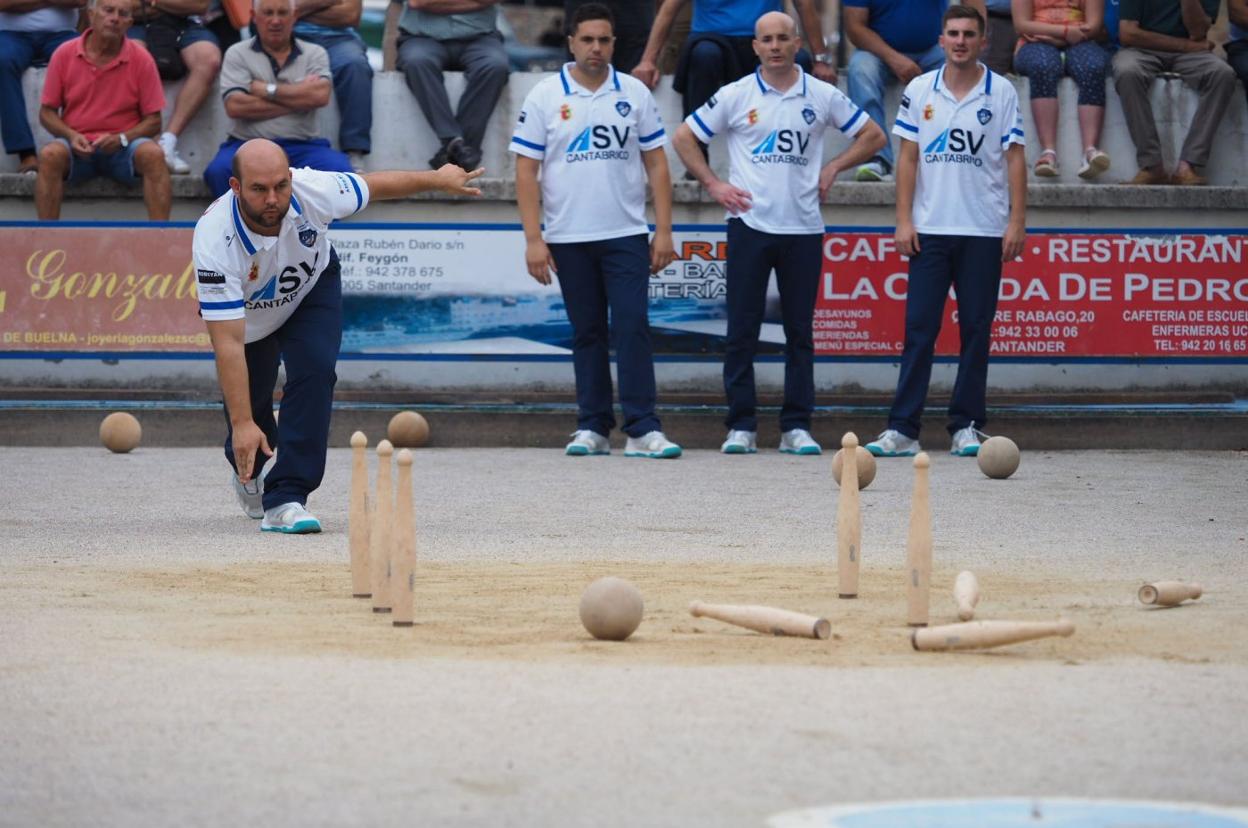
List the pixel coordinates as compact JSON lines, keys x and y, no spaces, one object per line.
{"x":291,"y":519}
{"x":798,"y":441}
{"x":653,"y":444}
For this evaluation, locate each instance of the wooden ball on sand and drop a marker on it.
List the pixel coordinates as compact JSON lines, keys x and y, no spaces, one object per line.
{"x":408,"y":429}
{"x":611,"y":608}
{"x":120,"y":432}
{"x":998,"y":457}
{"x":866,"y":466}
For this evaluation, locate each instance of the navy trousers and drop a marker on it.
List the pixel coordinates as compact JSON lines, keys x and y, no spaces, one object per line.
{"x":597,"y":277}
{"x":308,"y":345}
{"x":797,"y":259}
{"x":972,"y":265}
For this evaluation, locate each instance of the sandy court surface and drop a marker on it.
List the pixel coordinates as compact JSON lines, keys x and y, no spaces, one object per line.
{"x":163,"y":662}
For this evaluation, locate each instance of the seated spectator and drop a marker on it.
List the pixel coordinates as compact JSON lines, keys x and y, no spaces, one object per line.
{"x":273,"y":84}
{"x":896,"y":40}
{"x":1170,"y":36}
{"x":1059,"y":37}
{"x":999,"y":53}
{"x":719,"y":49}
{"x":331,"y":24}
{"x":432,"y":41}
{"x":1237,"y":48}
{"x":28,"y":38}
{"x":219,"y":21}
{"x":102,"y":102}
{"x":633,"y":19}
{"x":183,"y":48}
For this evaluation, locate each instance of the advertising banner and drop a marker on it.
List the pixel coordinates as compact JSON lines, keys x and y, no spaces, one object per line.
{"x":460,"y":289}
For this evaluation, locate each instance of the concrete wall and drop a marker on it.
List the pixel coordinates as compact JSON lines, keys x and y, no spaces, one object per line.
{"x":402,"y":139}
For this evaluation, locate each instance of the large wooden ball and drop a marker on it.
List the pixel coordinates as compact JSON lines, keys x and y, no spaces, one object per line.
{"x":866,"y":466}
{"x":408,"y":429}
{"x":120,"y":432}
{"x":611,"y":608}
{"x":998,"y":457}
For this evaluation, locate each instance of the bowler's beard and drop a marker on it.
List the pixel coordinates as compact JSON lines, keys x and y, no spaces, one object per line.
{"x":261,"y":218}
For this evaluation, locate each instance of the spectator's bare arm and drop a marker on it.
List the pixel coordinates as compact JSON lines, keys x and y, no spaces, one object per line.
{"x":181,"y":8}
{"x":148,"y":127}
{"x":312,"y":92}
{"x":537,"y":259}
{"x":1194,"y":18}
{"x":812,"y":28}
{"x":1131,"y":34}
{"x":1237,"y":11}
{"x":50,"y":119}
{"x":451,"y":6}
{"x":647,"y":69}
{"x":245,"y":106}
{"x":334,"y":13}
{"x":23,"y":6}
{"x":1093,"y":19}
{"x":860,"y":33}
{"x":1025,"y":24}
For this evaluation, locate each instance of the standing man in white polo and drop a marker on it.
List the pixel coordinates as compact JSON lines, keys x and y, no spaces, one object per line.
{"x":596,"y":136}
{"x":775,"y":121}
{"x":961,"y":213}
{"x":270,"y":292}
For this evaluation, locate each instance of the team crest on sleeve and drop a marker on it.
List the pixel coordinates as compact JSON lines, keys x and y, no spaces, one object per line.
{"x":905,"y":101}
{"x":623,"y":107}
{"x":307,"y":236}
{"x":523,"y":115}
{"x":984,"y":115}
{"x":808,"y":115}
{"x":752,"y":116}
{"x":565,"y":112}
{"x":929,"y":112}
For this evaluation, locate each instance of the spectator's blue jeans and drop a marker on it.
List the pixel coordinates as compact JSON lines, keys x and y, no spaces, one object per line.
{"x":353,"y":88}
{"x":869,"y":77}
{"x":316,"y":153}
{"x":18,"y":52}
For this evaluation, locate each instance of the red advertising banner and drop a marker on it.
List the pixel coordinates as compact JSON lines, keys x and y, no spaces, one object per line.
{"x":98,"y":289}
{"x":1068,"y":295}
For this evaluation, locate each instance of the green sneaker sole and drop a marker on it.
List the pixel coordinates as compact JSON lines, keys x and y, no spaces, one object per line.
{"x":665,"y":454}
{"x":809,"y":450}
{"x":303,"y":527}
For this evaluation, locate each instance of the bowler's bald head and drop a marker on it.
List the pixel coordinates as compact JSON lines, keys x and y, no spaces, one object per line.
{"x":259,"y":158}
{"x":773,"y":23}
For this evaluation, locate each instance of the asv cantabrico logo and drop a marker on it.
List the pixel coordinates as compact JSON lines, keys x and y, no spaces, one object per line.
{"x":599,"y":143}
{"x":955,"y":146}
{"x":782,"y":146}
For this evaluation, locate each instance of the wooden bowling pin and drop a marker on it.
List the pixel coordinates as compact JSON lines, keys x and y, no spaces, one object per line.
{"x":379,"y":535}
{"x":403,"y":547}
{"x":966,"y":594}
{"x":357,"y":518}
{"x":848,"y":521}
{"x":919,"y":547}
{"x":1168,"y":593}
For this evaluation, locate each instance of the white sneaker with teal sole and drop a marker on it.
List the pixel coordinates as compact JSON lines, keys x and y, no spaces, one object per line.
{"x":251,"y":494}
{"x":740,"y":442}
{"x":652,"y":444}
{"x":965,"y":442}
{"x":586,"y":442}
{"x":873,"y":170}
{"x":798,"y":441}
{"x":893,"y":443}
{"x":291,"y":519}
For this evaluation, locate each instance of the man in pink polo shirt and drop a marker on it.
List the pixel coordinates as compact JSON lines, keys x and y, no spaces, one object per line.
{"x":102,"y":101}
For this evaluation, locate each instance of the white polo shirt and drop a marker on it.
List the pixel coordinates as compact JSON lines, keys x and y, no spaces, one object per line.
{"x":962,"y":187}
{"x":241,"y":274}
{"x":590,"y":144}
{"x":775,"y":145}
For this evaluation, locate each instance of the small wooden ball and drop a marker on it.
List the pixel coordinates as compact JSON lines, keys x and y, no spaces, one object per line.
{"x":408,"y":429}
{"x":611,"y":608}
{"x":120,"y":432}
{"x":998,"y":457}
{"x":866,"y":466}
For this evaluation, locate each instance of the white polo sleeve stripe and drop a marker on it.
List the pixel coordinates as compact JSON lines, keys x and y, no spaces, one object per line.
{"x":856,"y":123}
{"x":651,"y":134}
{"x":529,"y":138}
{"x":713,"y":116}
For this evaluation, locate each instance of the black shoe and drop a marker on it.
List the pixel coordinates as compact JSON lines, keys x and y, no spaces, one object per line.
{"x":463,"y":154}
{"x":439,"y":159}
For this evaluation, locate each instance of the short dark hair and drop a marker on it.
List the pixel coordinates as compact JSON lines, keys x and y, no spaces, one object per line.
{"x":963,"y":13}
{"x":590,"y":11}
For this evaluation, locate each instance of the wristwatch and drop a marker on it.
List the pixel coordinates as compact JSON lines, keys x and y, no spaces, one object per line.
{"x":125,"y":142}
{"x":826,"y":58}
{"x":270,"y":91}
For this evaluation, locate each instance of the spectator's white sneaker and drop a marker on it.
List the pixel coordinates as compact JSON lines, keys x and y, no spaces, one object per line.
{"x":291,"y":519}
{"x":873,"y":170}
{"x":652,"y":444}
{"x":251,"y":494}
{"x":798,"y":441}
{"x":585,"y":442}
{"x":893,"y":443}
{"x":740,"y":442}
{"x":169,"y":144}
{"x":965,"y":442}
